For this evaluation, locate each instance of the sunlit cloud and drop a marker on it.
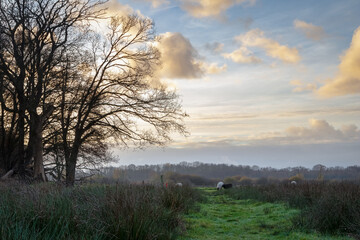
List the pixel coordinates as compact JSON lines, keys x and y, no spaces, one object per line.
{"x":181,"y":60}
{"x":347,"y":80}
{"x":211,"y":8}
{"x":211,"y":130}
{"x":319,"y":131}
{"x":156,"y":3}
{"x":242,"y":55}
{"x":311,"y":31}
{"x":178,"y":57}
{"x":115,"y":8}
{"x":256,"y":38}
{"x":303,"y":87}
{"x":212,"y":68}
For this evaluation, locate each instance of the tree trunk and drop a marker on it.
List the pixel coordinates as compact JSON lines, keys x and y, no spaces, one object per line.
{"x":21,"y":129}
{"x":70,"y":170}
{"x":3,"y":133}
{"x":71,"y":160}
{"x":39,"y":173}
{"x":37,"y":144}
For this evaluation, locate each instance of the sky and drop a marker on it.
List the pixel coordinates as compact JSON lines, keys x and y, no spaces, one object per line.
{"x":266,"y":83}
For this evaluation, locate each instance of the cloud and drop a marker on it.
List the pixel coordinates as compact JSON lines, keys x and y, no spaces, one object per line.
{"x":347,"y":80}
{"x":115,"y":8}
{"x":303,"y":87}
{"x":256,"y":38}
{"x":110,"y":9}
{"x":319,"y":131}
{"x":213,"y":68}
{"x":311,"y":31}
{"x":215,"y":47}
{"x":242,"y":55}
{"x":210,"y":8}
{"x":181,"y":60}
{"x":178,"y":57}
{"x":156,"y":3}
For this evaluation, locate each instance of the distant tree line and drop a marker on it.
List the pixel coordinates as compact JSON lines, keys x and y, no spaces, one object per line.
{"x":206,"y":174}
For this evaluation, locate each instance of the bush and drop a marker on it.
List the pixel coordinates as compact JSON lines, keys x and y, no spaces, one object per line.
{"x":329,"y":207}
{"x":230,"y":180}
{"x":298,"y":177}
{"x":245,"y":180}
{"x":337,"y":210}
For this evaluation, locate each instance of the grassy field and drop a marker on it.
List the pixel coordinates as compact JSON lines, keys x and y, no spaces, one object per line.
{"x":148,"y":212}
{"x":222,"y":217}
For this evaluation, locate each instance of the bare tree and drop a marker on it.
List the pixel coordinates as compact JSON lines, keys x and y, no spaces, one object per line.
{"x":34,"y":34}
{"x":112,"y":97}
{"x":77,"y":92}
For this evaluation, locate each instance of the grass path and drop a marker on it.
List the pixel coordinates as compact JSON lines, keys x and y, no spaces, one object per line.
{"x":223,"y":218}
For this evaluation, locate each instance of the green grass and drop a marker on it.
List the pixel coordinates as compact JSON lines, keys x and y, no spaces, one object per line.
{"x":224,"y":218}
{"x":327,"y":207}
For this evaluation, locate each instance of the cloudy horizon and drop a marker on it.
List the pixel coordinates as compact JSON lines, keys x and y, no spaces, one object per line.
{"x":264,"y":83}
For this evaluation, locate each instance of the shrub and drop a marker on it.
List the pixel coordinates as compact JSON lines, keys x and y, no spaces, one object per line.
{"x":246,"y":180}
{"x":230,"y":180}
{"x":329,"y":207}
{"x":298,"y":177}
{"x":336,"y":210}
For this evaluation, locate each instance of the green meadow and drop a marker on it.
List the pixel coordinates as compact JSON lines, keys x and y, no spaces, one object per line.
{"x":224,"y":218}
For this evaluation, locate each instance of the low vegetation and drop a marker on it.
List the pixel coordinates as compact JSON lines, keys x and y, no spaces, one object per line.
{"x":48,"y":211}
{"x":327,"y":207}
{"x":223,"y":217}
{"x":307,"y":210}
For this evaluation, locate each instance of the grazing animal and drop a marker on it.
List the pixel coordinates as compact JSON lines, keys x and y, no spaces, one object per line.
{"x":179,"y":184}
{"x":226,"y":186}
{"x":219,"y":185}
{"x":293,"y":183}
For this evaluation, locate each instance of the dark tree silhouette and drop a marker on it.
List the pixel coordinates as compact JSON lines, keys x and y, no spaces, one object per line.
{"x":74,"y":91}
{"x":33,"y":35}
{"x":112,"y":95}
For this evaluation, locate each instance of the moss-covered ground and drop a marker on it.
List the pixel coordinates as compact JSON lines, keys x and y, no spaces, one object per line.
{"x":223,"y":218}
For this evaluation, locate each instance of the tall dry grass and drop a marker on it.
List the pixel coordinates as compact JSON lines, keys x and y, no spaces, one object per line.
{"x":49,"y":211}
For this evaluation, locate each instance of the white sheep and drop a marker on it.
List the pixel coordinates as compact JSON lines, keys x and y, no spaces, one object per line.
{"x":293,"y":183}
{"x":179,"y":184}
{"x":219,"y":185}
